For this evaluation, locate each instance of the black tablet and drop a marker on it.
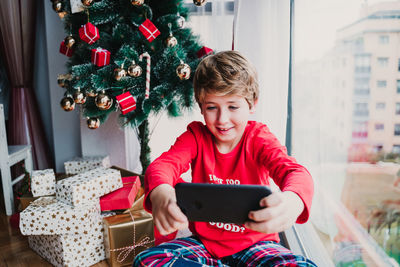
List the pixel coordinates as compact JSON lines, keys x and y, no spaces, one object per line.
{"x":219,"y":203}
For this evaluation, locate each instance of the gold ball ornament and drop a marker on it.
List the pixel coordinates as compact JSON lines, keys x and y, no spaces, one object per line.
{"x":69,"y":41}
{"x":79,"y":97}
{"x":134,"y":70}
{"x":93,"y":123}
{"x":67,"y":103}
{"x":57,"y":6}
{"x":199,"y":2}
{"x":87,"y":2}
{"x":64,"y":80}
{"x":119,"y":73}
{"x":171,"y":41}
{"x":137,"y":2}
{"x":91,"y":93}
{"x":103,"y":101}
{"x":183,"y":71}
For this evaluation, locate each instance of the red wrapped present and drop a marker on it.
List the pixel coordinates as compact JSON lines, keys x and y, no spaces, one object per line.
{"x":204,"y":51}
{"x":122,"y":198}
{"x":89,"y":33}
{"x":149,"y":30}
{"x":126,"y":102}
{"x":66,"y":50}
{"x":100,"y":57}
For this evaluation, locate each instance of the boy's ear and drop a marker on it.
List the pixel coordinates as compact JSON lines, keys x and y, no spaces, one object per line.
{"x":253,"y":108}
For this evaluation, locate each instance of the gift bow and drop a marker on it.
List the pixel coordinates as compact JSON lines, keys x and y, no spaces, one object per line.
{"x":100,"y":50}
{"x":125,"y":251}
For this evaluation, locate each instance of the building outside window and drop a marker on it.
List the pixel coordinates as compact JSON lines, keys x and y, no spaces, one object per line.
{"x":381,"y":84}
{"x":398,"y":86}
{"x":379,"y":126}
{"x":396,"y":149}
{"x":380,"y":105}
{"x":383,"y":61}
{"x":397,"y":129}
{"x":397,"y":108}
{"x":383,"y":39}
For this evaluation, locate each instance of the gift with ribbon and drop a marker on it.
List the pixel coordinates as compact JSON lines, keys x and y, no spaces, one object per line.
{"x":122,"y":198}
{"x":126,"y":102}
{"x":89,"y":33}
{"x":126,"y":235}
{"x":100,"y":57}
{"x":149,"y":30}
{"x":66,"y":50}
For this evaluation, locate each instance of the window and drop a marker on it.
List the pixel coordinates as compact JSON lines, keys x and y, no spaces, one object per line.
{"x":398,"y":65}
{"x":381,"y":84}
{"x":383,"y":39}
{"x":380,"y":105}
{"x":397,"y":108}
{"x":379,"y":126}
{"x":378,"y":148}
{"x":396,"y":149}
{"x":397,"y":129}
{"x":361,"y":109}
{"x":383,"y":61}
{"x":398,"y":86}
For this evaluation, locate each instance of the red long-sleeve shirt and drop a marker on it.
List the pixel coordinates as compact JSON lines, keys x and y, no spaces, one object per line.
{"x":256,"y":157}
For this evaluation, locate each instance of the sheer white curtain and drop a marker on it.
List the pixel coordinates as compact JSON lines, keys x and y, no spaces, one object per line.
{"x":262,"y":34}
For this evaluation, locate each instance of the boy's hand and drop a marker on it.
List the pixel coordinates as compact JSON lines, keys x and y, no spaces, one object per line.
{"x":168,"y":217}
{"x":280,"y":212}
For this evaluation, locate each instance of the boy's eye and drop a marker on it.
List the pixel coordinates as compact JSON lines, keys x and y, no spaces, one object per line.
{"x":210,"y":107}
{"x":233,"y":107}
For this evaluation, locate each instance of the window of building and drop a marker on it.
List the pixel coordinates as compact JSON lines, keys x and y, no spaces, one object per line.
{"x":361,"y":109}
{"x":398,"y":86}
{"x":398,"y":65}
{"x":397,"y":129}
{"x":379,"y":126}
{"x":380,"y":105}
{"x":396,"y":149}
{"x":381,"y":84}
{"x":378,"y":148}
{"x":383,"y":39}
{"x":397,"y":108}
{"x":383,"y":61}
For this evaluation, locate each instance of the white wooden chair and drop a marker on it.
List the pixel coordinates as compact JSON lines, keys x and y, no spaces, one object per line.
{"x":9,"y":156}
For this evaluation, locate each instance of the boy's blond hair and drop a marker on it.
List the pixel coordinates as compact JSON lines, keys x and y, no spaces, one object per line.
{"x":226,"y":73}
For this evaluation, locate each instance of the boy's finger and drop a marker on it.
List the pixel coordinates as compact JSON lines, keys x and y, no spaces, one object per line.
{"x":176,"y":213}
{"x":271,"y":200}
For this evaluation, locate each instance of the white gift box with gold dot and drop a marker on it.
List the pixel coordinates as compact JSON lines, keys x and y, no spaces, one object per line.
{"x":87,"y":187}
{"x":43,"y":183}
{"x":82,"y":164}
{"x":47,"y":216}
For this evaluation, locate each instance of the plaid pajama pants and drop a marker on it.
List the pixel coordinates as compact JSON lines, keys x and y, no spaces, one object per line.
{"x":189,"y":251}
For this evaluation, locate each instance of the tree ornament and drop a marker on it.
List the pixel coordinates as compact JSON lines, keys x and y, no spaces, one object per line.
{"x":69,"y":41}
{"x":119,"y":73}
{"x":79,"y":97}
{"x":62,"y":14}
{"x":149,"y":30}
{"x":171,"y":41}
{"x":87,"y":2}
{"x":148,"y":63}
{"x":67,"y":103}
{"x":134,"y":70}
{"x":126,"y":102}
{"x":93,"y":123}
{"x":103,"y":101}
{"x":199,"y":2}
{"x":183,"y":71}
{"x":180,"y":21}
{"x":204,"y":51}
{"x":66,"y":50}
{"x":57,"y":6}
{"x":89,"y":33}
{"x":137,"y":2}
{"x":91,"y":93}
{"x":100,"y":57}
{"x":64,"y":80}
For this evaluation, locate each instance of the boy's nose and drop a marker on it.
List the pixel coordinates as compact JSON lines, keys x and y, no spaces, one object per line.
{"x":223,"y":116}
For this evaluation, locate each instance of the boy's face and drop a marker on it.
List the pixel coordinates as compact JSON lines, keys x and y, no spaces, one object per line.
{"x":226,"y":117}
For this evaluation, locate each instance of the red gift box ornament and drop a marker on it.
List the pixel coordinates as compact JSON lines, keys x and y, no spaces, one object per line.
{"x":204,"y":51}
{"x":122,"y":198}
{"x":89,"y":33}
{"x":149,"y":30}
{"x":126,"y":102}
{"x":100,"y":57}
{"x":66,"y":50}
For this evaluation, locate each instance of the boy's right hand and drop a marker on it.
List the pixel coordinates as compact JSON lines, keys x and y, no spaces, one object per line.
{"x":168,"y":217}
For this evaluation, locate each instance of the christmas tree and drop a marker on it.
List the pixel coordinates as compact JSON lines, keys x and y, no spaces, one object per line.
{"x":135,"y":57}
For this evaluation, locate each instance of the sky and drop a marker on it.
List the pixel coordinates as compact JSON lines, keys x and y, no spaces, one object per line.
{"x":316,"y":22}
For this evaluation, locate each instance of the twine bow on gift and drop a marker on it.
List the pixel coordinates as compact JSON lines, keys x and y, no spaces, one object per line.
{"x":125,"y":251}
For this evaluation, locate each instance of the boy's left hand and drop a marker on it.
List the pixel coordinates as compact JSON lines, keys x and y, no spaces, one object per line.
{"x":280,"y":213}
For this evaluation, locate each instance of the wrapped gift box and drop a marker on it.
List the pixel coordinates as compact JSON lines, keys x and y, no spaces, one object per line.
{"x":126,"y":102}
{"x":47,"y":216}
{"x":126,"y":235}
{"x":100,"y":57}
{"x":89,"y":33}
{"x":43,"y":183}
{"x":83,"y":164}
{"x":66,"y":50}
{"x":149,"y":30}
{"x":122,"y":198}
{"x":88,"y":187}
{"x":84,"y":249}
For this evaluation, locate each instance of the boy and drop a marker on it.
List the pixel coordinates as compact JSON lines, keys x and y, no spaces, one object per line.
{"x":229,"y":147}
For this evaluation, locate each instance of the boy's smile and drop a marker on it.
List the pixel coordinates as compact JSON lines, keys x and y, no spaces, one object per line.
{"x":226,"y":117}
